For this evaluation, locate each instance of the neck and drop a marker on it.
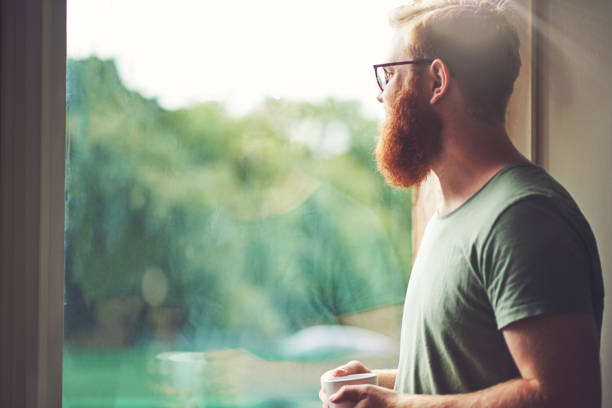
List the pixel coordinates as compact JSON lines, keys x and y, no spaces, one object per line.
{"x":471,"y":154}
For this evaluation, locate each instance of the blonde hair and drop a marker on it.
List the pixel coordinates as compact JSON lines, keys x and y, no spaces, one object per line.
{"x":475,"y":39}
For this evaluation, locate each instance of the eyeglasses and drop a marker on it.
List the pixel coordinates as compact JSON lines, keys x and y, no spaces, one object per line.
{"x":382,"y":76}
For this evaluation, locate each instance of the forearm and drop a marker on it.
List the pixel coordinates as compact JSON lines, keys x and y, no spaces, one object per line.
{"x":517,"y":393}
{"x":386,"y":377}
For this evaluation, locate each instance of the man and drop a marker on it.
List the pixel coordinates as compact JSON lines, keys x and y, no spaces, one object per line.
{"x":505,"y":300}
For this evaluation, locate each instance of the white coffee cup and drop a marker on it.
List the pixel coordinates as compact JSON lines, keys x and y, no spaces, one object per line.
{"x":333,"y":385}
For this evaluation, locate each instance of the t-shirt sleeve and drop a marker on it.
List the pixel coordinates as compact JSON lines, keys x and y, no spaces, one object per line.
{"x":534,"y":263}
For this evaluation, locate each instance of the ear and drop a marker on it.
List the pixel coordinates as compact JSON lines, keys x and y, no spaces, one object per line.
{"x":439,"y":76}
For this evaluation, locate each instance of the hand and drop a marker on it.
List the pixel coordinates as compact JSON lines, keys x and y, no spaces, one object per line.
{"x":368,"y":396}
{"x":352,"y":367}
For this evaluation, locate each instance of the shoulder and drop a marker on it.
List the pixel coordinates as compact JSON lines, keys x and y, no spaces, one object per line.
{"x":520,"y":182}
{"x":530,"y":203}
{"x":525,"y":194}
{"x":537,"y":221}
{"x":532,"y":224}
{"x":529,"y":208}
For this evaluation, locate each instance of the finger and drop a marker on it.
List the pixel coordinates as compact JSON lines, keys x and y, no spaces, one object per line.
{"x":340,"y":372}
{"x":354,"y":367}
{"x":336,"y":372}
{"x":323,"y":397}
{"x":352,"y":393}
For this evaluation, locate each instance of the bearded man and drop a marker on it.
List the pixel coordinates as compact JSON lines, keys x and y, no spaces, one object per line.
{"x":505,"y":300}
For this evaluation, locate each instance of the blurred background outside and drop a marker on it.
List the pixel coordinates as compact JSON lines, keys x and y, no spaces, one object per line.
{"x":225,"y":220}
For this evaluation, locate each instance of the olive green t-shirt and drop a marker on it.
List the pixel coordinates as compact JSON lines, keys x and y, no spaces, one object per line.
{"x":519,"y":247}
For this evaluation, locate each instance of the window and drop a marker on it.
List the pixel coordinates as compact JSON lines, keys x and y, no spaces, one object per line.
{"x":226,"y":228}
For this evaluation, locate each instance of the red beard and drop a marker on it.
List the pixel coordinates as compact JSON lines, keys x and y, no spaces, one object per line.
{"x":410,"y":141}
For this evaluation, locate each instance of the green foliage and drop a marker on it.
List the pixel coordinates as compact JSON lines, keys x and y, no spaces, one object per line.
{"x":255,"y":222}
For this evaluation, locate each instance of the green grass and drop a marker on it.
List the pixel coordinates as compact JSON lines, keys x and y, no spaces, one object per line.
{"x":136,"y":379}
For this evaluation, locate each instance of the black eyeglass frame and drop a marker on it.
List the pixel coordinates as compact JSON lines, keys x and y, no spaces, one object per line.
{"x":390,"y":64}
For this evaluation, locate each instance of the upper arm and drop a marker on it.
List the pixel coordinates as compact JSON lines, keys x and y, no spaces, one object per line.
{"x":560,"y":355}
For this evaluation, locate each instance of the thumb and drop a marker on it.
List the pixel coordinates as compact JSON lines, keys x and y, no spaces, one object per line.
{"x":348,"y":393}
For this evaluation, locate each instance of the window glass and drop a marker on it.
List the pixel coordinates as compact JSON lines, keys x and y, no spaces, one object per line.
{"x":225,"y":219}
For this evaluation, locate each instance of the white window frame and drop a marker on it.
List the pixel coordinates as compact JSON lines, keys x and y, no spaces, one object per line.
{"x":32,"y":162}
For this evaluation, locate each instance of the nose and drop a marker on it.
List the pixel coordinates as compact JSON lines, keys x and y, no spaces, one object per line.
{"x":379,"y":97}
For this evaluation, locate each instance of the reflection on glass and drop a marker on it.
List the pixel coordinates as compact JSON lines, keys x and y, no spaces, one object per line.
{"x":210,"y":258}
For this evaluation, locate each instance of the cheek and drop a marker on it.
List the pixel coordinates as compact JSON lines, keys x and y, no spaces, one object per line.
{"x":392,"y":90}
{"x":388,"y":96}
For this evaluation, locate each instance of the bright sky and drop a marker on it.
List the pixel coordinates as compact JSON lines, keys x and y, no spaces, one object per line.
{"x":238,"y":51}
